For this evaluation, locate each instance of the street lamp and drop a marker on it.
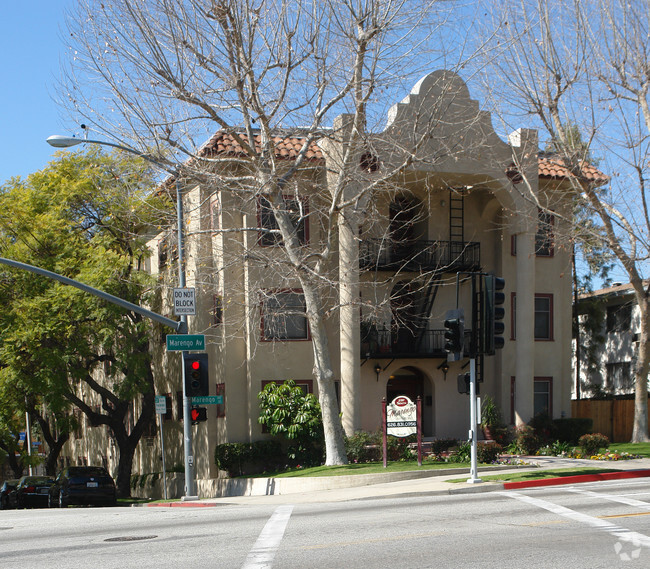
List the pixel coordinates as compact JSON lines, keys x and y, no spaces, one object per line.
{"x":58,"y":141}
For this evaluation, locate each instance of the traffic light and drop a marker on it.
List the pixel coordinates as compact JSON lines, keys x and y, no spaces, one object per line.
{"x":492,"y":325}
{"x":197,"y":378}
{"x":463,"y":382}
{"x":198,"y":414}
{"x":454,"y":333}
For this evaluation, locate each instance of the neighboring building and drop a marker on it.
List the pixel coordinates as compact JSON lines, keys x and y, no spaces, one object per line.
{"x":608,"y":343}
{"x":463,"y":212}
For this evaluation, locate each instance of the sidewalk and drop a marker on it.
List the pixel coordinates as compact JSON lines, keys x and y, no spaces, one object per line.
{"x":420,"y":483}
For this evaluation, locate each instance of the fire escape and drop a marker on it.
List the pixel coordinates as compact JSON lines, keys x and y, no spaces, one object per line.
{"x":412,"y":337}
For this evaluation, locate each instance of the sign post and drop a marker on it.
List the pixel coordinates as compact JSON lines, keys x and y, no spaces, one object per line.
{"x":161,"y":409}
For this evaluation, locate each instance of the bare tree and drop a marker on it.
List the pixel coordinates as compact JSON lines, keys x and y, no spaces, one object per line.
{"x":164,"y":75}
{"x":585,"y":65}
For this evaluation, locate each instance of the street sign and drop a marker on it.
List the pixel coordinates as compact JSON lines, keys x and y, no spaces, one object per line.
{"x":185,"y":342}
{"x":184,"y":301}
{"x":208,"y":400}
{"x":161,"y":404}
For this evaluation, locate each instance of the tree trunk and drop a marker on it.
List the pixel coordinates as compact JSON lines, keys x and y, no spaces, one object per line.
{"x":324,"y":374}
{"x":126,"y":448}
{"x":640,"y":427}
{"x":55,"y":445}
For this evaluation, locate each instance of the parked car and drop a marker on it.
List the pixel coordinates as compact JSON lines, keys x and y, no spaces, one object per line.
{"x":91,"y":485}
{"x":32,"y":491}
{"x":8,"y":494}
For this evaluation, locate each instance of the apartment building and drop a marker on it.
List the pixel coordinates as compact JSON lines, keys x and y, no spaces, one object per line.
{"x":459,"y":200}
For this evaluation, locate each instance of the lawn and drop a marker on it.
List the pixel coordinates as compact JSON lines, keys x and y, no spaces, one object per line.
{"x":642,"y":449}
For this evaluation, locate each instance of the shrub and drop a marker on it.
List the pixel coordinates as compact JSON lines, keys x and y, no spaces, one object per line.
{"x":592,"y":443}
{"x":464,"y":453}
{"x":543,"y":427}
{"x":249,"y":458}
{"x":570,"y":430}
{"x":438,"y":446}
{"x":287,"y":411}
{"x":488,"y":452}
{"x":368,"y":447}
{"x":399,"y":448}
{"x":363,"y":447}
{"x":526,"y":441}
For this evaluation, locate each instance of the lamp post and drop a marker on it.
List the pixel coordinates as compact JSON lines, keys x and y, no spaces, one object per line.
{"x":58,"y":141}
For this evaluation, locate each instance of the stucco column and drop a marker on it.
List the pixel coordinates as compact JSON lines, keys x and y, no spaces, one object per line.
{"x":349,"y":325}
{"x":338,"y":179}
{"x":525,"y":328}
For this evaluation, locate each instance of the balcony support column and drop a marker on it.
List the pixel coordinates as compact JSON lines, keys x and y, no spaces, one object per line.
{"x":525,"y":328}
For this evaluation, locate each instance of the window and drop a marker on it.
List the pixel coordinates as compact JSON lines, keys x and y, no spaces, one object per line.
{"x":215,"y":214}
{"x":168,"y":407}
{"x":544,"y":237}
{"x":167,"y":250}
{"x":542,"y":396}
{"x":179,"y":405}
{"x":217,"y":311}
{"x":543,"y":316}
{"x":283,"y":316}
{"x":269,"y":231}
{"x":307,"y":385}
{"x":619,"y":318}
{"x":221,"y":407}
{"x":619,"y":378}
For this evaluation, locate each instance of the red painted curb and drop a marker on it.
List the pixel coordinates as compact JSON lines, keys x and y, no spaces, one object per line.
{"x":576,"y":479}
{"x":183,"y":505}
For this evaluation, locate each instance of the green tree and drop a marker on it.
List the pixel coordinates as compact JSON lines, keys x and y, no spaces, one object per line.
{"x":288,"y":411}
{"x":81,"y":217}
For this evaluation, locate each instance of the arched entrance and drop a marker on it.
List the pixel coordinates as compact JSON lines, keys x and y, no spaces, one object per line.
{"x":412,"y":383}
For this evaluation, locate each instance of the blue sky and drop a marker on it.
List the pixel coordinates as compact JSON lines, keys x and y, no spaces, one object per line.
{"x":31,"y":49}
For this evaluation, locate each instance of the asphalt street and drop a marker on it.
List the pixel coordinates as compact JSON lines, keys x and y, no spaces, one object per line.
{"x":591,"y":525}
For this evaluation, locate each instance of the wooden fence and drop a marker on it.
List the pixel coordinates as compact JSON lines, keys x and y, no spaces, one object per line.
{"x":612,"y":417}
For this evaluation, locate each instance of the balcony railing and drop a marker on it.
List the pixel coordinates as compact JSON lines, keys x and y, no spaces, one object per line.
{"x":448,"y":256}
{"x":404,"y":343}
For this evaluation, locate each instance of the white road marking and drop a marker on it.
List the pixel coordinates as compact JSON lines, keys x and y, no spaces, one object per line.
{"x":619,"y":532}
{"x":266,"y":546}
{"x":611,"y":498}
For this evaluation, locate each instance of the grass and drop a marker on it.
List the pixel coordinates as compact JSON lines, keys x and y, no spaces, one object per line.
{"x":363,"y":468}
{"x":642,"y":449}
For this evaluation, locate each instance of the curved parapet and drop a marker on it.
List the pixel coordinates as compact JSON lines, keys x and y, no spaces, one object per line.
{"x":442,"y":126}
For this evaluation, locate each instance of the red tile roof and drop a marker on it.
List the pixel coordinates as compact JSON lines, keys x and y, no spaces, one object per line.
{"x":553,"y":167}
{"x":288,"y":146}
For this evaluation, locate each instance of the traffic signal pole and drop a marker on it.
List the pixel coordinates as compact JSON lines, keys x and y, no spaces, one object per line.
{"x":190,"y":492}
{"x":473,"y":471}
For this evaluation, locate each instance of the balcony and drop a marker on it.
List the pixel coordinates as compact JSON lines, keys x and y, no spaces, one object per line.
{"x":405,"y":343}
{"x":445,"y":256}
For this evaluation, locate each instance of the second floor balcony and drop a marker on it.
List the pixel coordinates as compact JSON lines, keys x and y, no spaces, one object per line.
{"x":405,"y":343}
{"x":421,"y":255}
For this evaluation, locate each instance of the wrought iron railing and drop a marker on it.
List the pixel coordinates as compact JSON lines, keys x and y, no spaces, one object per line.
{"x":383,"y":255}
{"x":404,"y":343}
